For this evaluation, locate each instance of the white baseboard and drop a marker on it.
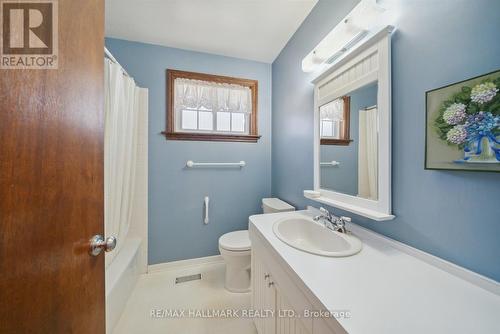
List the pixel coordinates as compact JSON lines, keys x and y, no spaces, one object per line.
{"x":154,"y":268}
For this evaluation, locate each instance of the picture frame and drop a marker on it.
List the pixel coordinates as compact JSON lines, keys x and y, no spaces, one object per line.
{"x":462,"y":125}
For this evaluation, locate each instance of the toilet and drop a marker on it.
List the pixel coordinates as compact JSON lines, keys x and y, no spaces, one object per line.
{"x":235,"y":249}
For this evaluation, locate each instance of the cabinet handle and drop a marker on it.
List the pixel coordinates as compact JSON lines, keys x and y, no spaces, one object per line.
{"x":270,"y":284}
{"x":266,"y":276}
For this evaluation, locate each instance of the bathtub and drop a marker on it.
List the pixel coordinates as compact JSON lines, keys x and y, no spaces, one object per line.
{"x":121,"y":277}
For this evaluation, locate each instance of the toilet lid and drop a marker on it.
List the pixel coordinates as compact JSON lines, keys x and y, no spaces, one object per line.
{"x":235,"y":241}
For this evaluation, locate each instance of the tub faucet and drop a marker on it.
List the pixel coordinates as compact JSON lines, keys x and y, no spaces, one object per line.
{"x":331,"y":221}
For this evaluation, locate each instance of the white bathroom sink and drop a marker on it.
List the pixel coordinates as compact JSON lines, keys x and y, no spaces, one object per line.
{"x":309,"y":236}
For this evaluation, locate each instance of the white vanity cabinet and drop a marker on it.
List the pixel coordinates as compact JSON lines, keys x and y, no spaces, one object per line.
{"x":355,"y":288}
{"x":286,"y":321}
{"x":275,"y":292}
{"x":263,"y":297}
{"x":275,"y":313}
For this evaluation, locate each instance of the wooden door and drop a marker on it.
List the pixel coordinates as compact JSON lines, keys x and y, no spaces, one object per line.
{"x":51,"y":183}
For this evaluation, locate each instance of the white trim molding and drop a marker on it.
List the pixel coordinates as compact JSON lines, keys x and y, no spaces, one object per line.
{"x":467,"y":275}
{"x":368,"y":63}
{"x":154,"y":268}
{"x":374,"y":215}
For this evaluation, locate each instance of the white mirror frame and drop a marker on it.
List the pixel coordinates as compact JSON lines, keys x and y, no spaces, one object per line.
{"x":369,"y":62}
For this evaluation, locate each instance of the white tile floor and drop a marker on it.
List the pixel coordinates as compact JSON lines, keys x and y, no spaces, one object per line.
{"x":158,"y":291}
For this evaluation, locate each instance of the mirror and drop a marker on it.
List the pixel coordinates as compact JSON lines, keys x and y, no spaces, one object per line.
{"x":352,"y":130}
{"x":349,"y":143}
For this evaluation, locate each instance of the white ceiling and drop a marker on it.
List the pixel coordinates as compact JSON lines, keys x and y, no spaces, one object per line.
{"x":249,"y":29}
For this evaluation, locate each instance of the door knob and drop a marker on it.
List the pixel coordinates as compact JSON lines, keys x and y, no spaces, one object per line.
{"x":98,"y":244}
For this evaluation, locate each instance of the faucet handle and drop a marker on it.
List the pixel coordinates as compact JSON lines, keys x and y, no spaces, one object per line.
{"x":346,"y":219}
{"x":325,"y":212}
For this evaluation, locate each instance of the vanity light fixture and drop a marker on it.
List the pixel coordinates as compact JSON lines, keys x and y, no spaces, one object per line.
{"x":353,"y":28}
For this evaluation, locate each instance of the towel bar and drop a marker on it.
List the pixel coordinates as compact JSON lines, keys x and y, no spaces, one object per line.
{"x":330,"y":163}
{"x":191,"y":164}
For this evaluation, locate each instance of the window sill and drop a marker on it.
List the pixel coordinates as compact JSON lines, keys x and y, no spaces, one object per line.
{"x":210,"y":137}
{"x":342,"y":142}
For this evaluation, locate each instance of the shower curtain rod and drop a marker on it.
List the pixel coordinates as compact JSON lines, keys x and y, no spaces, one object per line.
{"x":372,"y":107}
{"x":113,"y":59}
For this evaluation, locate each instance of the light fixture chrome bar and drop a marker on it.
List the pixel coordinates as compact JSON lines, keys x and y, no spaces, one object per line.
{"x":335,"y":56}
{"x":353,"y":41}
{"x":358,"y":37}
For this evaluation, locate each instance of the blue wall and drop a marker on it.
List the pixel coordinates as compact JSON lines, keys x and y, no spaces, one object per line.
{"x":176,"y":229}
{"x":453,"y":215}
{"x":344,"y":178}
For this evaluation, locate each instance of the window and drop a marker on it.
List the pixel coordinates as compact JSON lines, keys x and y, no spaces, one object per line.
{"x":211,"y":107}
{"x":334,"y":122}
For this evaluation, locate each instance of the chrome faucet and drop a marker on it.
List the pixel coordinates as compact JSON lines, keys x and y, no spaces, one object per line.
{"x":331,"y":221}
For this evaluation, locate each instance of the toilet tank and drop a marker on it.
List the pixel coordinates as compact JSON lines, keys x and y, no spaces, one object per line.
{"x":272,"y":205}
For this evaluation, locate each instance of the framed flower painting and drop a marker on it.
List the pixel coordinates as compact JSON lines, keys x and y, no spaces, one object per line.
{"x":463,"y":125}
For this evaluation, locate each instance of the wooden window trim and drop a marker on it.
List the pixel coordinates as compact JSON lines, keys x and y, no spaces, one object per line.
{"x":170,"y":132}
{"x":346,"y":129}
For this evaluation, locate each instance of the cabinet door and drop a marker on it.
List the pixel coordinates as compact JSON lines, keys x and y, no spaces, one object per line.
{"x":263,"y":297}
{"x":270,"y":307}
{"x":258,"y":286}
{"x":287,"y":321}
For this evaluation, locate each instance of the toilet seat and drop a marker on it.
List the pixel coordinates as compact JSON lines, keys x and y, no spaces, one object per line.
{"x":236,"y":250}
{"x":236,"y":241}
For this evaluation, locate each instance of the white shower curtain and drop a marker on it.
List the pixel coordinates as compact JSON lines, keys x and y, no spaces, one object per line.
{"x":368,"y":154}
{"x":122,"y":104}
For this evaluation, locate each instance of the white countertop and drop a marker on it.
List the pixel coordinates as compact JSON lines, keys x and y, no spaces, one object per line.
{"x":386,"y":290}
